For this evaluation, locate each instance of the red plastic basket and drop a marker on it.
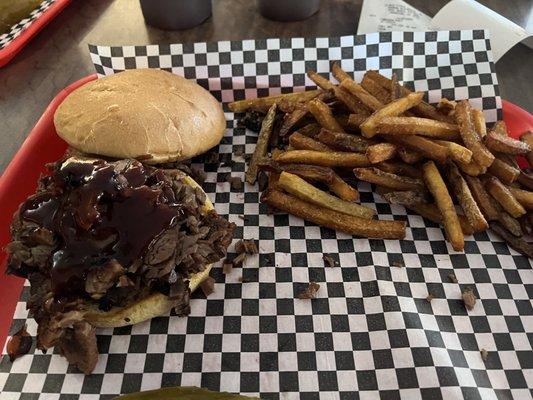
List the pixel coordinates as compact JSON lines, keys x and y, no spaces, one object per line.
{"x":43,"y":145}
{"x":11,"y":50}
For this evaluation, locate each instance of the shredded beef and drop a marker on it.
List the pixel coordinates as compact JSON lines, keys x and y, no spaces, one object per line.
{"x":120,"y":230}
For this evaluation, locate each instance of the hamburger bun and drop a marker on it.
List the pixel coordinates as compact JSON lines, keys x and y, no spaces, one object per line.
{"x":142,"y":113}
{"x":154,"y":305}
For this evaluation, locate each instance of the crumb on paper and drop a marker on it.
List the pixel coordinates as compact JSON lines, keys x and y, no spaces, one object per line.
{"x":235,"y":182}
{"x":247,"y":246}
{"x":268,"y":260}
{"x":212,"y":157}
{"x":484,"y":354}
{"x":329,"y":261}
{"x":469,"y":298}
{"x":239,"y":260}
{"x":398,"y":264}
{"x":244,"y":218}
{"x":19,"y":344}
{"x":243,"y":279}
{"x":310,"y":292}
{"x":452,"y":278}
{"x":208,"y":286}
{"x":430,"y":297}
{"x":227,"y":266}
{"x":239,"y":152}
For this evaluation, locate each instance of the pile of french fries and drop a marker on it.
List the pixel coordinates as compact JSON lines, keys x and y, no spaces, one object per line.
{"x":432,"y":160}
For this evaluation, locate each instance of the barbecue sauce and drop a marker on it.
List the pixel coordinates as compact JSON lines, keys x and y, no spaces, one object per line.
{"x":100,"y":212}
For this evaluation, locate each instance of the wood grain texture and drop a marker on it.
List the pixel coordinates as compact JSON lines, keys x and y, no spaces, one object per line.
{"x":59,"y":54}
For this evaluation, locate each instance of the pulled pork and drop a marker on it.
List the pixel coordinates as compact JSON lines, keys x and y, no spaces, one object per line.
{"x":109,"y":233}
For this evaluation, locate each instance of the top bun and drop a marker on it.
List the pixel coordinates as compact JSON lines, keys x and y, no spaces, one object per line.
{"x":141,"y":113}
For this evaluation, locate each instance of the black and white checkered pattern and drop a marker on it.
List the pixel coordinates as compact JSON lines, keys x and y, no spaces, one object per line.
{"x":371,"y":332}
{"x":17,"y":29}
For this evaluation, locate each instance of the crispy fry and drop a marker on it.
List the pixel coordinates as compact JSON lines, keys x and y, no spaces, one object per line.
{"x":310,"y":130}
{"x":438,"y":189}
{"x":338,"y":72}
{"x":343,"y":190}
{"x":432,"y":212}
{"x":358,"y":91}
{"x":380,"y":152}
{"x":407,"y":197}
{"x":503,"y":171}
{"x":422,"y":110}
{"x":273,"y":179}
{"x":482,"y":198}
{"x":351,"y":102}
{"x":355,"y":120}
{"x":393,"y":181}
{"x":526,"y":179}
{"x":312,"y":173}
{"x":400,"y":168}
{"x":291,"y":119}
{"x":505,"y":144}
{"x":472,"y":168}
{"x":344,"y":141}
{"x":470,"y":137}
{"x":466,"y":199}
{"x":394,"y":108}
{"x":446,"y":106}
{"x":509,"y":160}
{"x":409,"y":156}
{"x":376,"y":89}
{"x":302,"y":142}
{"x":527,"y":137}
{"x":323,"y":115}
{"x":479,"y":122}
{"x":456,"y":151}
{"x":524,"y":197}
{"x":320,"y":81}
{"x":427,"y":147}
{"x":296,"y":186}
{"x":516,"y":243}
{"x":333,"y":219}
{"x":395,"y":92}
{"x":329,"y":159}
{"x":504,"y":197}
{"x":262,"y":145}
{"x":267,"y":102}
{"x":526,"y":222}
{"x":500,"y":128}
{"x":418,"y":126}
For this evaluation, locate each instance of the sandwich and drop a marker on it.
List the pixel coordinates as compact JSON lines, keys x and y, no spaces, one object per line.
{"x":112,"y":236}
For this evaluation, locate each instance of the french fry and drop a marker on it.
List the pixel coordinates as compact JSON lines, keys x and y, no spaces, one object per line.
{"x":358,"y":91}
{"x":510,"y":223}
{"x":527,"y":137}
{"x":291,"y":119}
{"x":323,"y":115}
{"x":338,"y":72}
{"x":261,"y":147}
{"x":400,"y":168}
{"x":524,"y":197}
{"x":409,"y":156}
{"x":342,"y":189}
{"x":320,"y":81}
{"x":422,"y":110}
{"x":526,"y":179}
{"x":376,"y":90}
{"x":456,"y":151}
{"x":312,"y":173}
{"x":509,"y":160}
{"x":406,"y":197}
{"x":273,"y":179}
{"x":344,"y":141}
{"x":392,"y":181}
{"x":355,"y":120}
{"x":395,"y":92}
{"x":310,"y":130}
{"x":503,"y":171}
{"x":433,"y":213}
{"x":466,"y":199}
{"x":504,"y":197}
{"x":302,"y":142}
{"x":505,"y":144}
{"x":446,"y":106}
{"x":500,"y":128}
{"x":479,"y":122}
{"x":472,"y":168}
{"x":426,"y":147}
{"x":470,"y":137}
{"x":329,"y":159}
{"x":438,"y":189}
{"x":516,"y":243}
{"x":483,"y":199}
{"x":352,"y":103}
{"x":526,"y":222}
{"x":334,"y":219}
{"x":394,"y":108}
{"x":379,"y":152}
{"x":418,"y":126}
{"x":267,"y":102}
{"x":298,"y":187}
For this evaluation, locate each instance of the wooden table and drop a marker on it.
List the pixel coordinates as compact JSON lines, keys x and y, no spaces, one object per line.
{"x":59,"y":54}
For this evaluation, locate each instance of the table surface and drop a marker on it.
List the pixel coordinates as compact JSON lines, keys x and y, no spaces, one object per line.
{"x":58,"y":55}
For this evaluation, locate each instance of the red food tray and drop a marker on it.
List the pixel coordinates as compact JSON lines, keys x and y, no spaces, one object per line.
{"x":16,"y":45}
{"x":43,"y":146}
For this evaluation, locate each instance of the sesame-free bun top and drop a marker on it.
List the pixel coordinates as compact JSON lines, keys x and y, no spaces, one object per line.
{"x":141,"y":113}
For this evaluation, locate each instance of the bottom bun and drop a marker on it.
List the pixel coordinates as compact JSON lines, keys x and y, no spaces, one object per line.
{"x":153,"y":305}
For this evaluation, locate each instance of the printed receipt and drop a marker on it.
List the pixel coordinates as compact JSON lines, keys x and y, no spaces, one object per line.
{"x":391,"y":15}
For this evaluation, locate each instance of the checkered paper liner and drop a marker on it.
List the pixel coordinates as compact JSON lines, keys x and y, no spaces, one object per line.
{"x":371,"y":332}
{"x":18,"y":28}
